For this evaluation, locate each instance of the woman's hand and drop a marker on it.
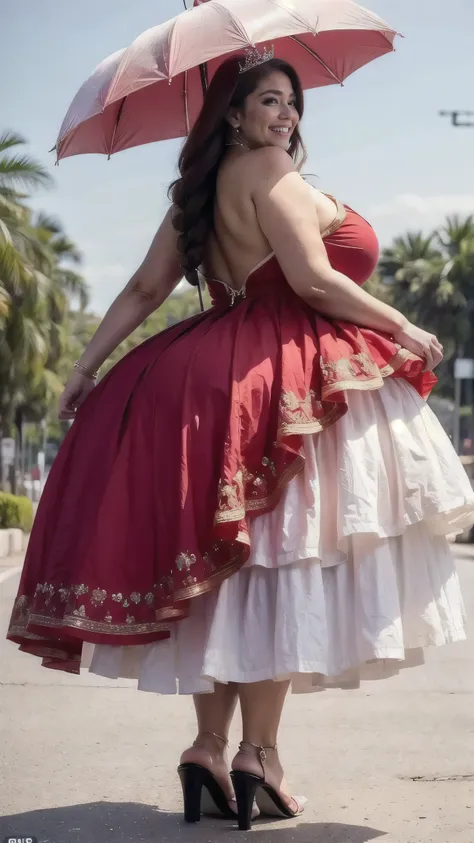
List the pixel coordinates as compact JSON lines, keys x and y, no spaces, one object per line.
{"x":75,"y":393}
{"x":420,"y":342}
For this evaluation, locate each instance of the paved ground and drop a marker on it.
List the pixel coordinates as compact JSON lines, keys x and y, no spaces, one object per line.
{"x":88,"y":761}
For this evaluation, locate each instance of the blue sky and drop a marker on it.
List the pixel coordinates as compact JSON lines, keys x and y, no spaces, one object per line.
{"x":378,"y":143}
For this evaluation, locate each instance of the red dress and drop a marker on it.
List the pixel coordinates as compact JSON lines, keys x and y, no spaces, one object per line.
{"x":187,"y":438}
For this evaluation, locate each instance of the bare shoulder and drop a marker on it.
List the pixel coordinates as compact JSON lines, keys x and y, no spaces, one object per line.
{"x":270,"y":167}
{"x":265,"y":163}
{"x":270,"y":162}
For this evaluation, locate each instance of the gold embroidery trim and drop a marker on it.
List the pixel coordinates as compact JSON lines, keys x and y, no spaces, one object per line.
{"x":401,"y":357}
{"x":229,"y":499}
{"x":99,"y":626}
{"x":315,"y":426}
{"x":355,"y":384}
{"x":210,"y":584}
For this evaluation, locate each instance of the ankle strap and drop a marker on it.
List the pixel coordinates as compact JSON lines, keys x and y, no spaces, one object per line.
{"x":213,"y":735}
{"x":262,"y":750}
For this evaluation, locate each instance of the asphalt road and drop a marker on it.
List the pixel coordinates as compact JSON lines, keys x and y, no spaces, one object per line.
{"x":91,"y":761}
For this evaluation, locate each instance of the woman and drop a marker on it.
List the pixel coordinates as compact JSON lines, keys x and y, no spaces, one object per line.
{"x":258,"y":496}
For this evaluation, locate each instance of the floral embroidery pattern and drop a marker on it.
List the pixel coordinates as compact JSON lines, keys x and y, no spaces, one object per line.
{"x":354,"y":367}
{"x":166,"y":585}
{"x":184,"y":561}
{"x":300,"y":410}
{"x":230,"y":498}
{"x":98,"y":596}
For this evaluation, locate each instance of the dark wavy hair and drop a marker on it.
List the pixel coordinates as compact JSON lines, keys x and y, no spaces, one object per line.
{"x":193,"y":194}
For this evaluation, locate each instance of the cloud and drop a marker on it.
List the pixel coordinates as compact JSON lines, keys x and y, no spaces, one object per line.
{"x":423,"y":206}
{"x":411,"y":212}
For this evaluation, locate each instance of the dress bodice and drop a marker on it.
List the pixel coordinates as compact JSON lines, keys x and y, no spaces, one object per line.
{"x":351,"y":245}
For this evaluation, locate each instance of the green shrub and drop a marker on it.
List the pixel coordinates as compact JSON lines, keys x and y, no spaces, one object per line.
{"x":26,"y":513}
{"x":15,"y":511}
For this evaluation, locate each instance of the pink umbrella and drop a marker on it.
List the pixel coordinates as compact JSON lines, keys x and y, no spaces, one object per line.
{"x":153,"y":90}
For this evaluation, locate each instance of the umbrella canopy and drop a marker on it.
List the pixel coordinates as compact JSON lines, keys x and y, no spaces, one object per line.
{"x":153,"y":90}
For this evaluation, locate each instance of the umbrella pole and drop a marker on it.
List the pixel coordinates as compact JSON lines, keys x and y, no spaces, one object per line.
{"x":201,"y":300}
{"x":205,"y":86}
{"x":204,"y":78}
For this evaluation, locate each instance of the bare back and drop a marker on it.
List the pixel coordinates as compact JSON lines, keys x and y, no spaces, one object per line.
{"x":238,"y":244}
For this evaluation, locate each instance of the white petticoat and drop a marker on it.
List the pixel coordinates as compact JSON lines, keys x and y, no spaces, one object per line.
{"x":350,"y":576}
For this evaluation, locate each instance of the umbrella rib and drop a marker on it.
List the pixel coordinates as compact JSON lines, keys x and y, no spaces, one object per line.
{"x":315,"y":56}
{"x":186,"y":107}
{"x":119,"y":114}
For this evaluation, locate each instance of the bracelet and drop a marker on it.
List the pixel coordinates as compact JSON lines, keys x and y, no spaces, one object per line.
{"x":85,"y":371}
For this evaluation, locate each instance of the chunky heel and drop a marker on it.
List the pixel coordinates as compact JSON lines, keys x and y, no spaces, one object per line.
{"x":192,"y":780}
{"x":245,"y":786}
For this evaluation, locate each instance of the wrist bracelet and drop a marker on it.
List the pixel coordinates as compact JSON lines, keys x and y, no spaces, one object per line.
{"x":83,"y":370}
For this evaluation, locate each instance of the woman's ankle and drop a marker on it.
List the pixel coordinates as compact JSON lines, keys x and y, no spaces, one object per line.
{"x":251,"y":759}
{"x":213,"y":743}
{"x":208,"y":749}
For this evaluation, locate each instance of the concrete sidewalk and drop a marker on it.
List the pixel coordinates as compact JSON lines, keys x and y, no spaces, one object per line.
{"x":90,"y":761}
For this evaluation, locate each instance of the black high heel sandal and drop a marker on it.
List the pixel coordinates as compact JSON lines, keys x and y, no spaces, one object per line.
{"x":202,"y":793}
{"x":250,"y":789}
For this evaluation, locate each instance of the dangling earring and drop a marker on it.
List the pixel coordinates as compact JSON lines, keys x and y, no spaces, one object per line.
{"x":237,"y":141}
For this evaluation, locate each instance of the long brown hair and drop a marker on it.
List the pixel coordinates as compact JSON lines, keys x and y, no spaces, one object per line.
{"x":193,"y":194}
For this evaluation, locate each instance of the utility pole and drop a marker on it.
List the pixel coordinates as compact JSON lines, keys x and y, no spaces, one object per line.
{"x":459,"y":119}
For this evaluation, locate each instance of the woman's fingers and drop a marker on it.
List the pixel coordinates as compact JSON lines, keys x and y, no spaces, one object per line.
{"x":67,"y":414}
{"x":67,"y":410}
{"x":437,"y":351}
{"x":428,"y":355}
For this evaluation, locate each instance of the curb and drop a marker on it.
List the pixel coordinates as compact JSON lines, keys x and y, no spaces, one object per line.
{"x":12,"y":542}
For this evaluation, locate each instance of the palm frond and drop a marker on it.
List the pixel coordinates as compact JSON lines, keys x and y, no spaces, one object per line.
{"x":12,"y":212}
{"x":9,"y":139}
{"x":24,"y":171}
{"x":65,"y":249}
{"x":75,"y":286}
{"x":13,"y":271}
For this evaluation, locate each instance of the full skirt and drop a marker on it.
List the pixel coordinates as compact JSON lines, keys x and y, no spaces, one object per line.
{"x":349,"y":577}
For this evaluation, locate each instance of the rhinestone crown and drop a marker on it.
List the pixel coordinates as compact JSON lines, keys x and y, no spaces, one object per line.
{"x":253,"y":58}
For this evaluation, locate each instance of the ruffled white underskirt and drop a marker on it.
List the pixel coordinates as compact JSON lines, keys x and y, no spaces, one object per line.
{"x":349,"y":577}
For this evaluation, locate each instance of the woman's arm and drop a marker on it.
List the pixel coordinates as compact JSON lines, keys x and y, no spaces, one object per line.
{"x":289,"y":220}
{"x":148,"y":288}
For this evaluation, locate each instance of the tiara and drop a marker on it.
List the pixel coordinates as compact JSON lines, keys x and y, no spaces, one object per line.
{"x":253,"y":58}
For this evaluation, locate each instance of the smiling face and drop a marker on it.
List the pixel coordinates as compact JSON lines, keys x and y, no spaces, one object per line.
{"x":269,"y":114}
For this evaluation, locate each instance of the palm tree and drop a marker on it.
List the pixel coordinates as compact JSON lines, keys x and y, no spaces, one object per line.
{"x":37,"y":284}
{"x":20,"y":281}
{"x":18,"y":172}
{"x":432,"y":282}
{"x":50,"y":234}
{"x":403,"y":265}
